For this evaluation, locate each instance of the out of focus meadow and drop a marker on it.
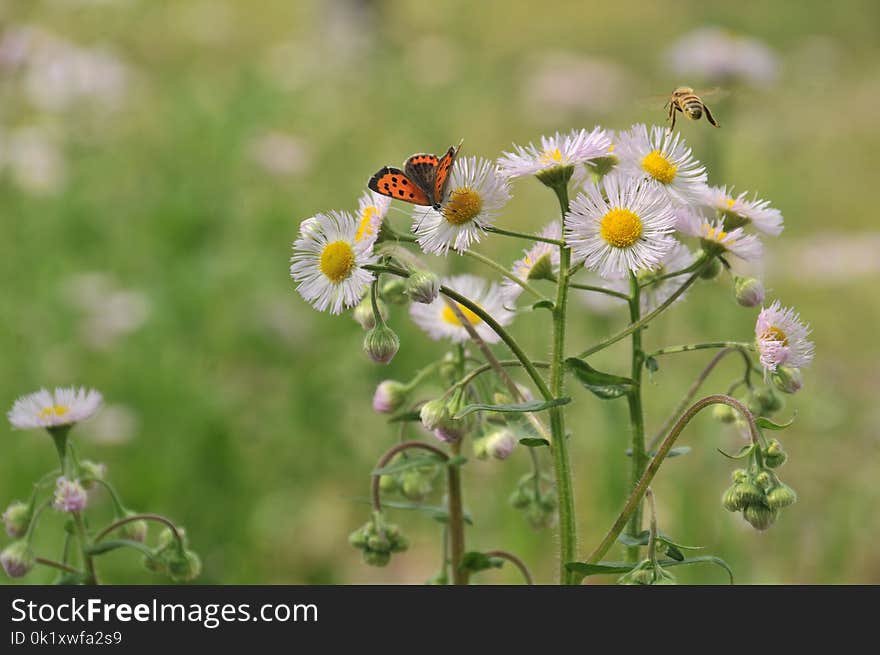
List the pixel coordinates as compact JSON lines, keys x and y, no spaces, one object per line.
{"x":156,"y":158}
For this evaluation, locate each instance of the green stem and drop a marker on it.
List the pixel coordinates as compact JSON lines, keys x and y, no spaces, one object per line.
{"x":467,"y":379}
{"x":516,"y":561}
{"x":88,"y":562}
{"x":521,"y":235}
{"x":697,"y":265}
{"x":456,"y":520}
{"x":59,"y":438}
{"x":158,"y":518}
{"x":701,"y":346}
{"x":635,"y":497}
{"x":652,"y":539}
{"x":491,"y":263}
{"x":114,"y":496}
{"x":647,"y":318}
{"x":639,"y":459}
{"x":607,"y":292}
{"x":55,"y":565}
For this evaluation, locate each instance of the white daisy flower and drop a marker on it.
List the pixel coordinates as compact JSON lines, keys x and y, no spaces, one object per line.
{"x":540,"y":261}
{"x":664,"y":158}
{"x":372,"y":208}
{"x":738,"y":211}
{"x":475,"y":194}
{"x":623,"y":225}
{"x":598,"y":166}
{"x":327,"y":260}
{"x":657,"y":291}
{"x":715,"y":238}
{"x":576,"y":147}
{"x":440,"y":321}
{"x":782,"y":338}
{"x":45,"y":409}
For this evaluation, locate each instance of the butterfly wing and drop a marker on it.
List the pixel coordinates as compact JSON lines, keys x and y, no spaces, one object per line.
{"x":444,"y":166}
{"x":422,"y":169}
{"x":394,"y":183}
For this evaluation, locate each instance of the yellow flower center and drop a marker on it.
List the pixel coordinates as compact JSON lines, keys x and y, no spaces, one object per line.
{"x":620,"y":228}
{"x":463,"y":206}
{"x":773,"y":333}
{"x":337,"y":261}
{"x":55,"y":410}
{"x":551,"y":157}
{"x":365,"y":227}
{"x":730,"y":202}
{"x":714,"y":233}
{"x":610,"y":148}
{"x":450,"y":316}
{"x":658,"y":167}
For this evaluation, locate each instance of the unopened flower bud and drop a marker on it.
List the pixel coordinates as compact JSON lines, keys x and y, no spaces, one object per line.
{"x":93,"y":470}
{"x":185,"y":567}
{"x":415,"y":486}
{"x":520,"y":498}
{"x":711,"y":270}
{"x":70,"y":496}
{"x":542,"y":269}
{"x":377,"y":558}
{"x":760,"y":516}
{"x":433,"y":413}
{"x":134,"y":530}
{"x":767,"y":400}
{"x":423,"y":287}
{"x":394,"y":291}
{"x":17,"y":518}
{"x":723,"y":413}
{"x":480,"y":451}
{"x":764,"y":480}
{"x":500,"y":443}
{"x":731,"y":500}
{"x":387,"y":484}
{"x":787,"y":380}
{"x":781,"y":496}
{"x":774,"y":455}
{"x":17,"y":559}
{"x":556,"y":176}
{"x":643,"y":574}
{"x":749,"y":493}
{"x":363,"y":312}
{"x":390,"y":396}
{"x":749,"y":291}
{"x":381,"y":344}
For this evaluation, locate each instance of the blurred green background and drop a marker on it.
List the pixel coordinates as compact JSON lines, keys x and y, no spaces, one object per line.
{"x":157,"y":157}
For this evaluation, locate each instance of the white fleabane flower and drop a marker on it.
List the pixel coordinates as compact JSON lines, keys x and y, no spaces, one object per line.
{"x":782,"y":338}
{"x":664,"y":158}
{"x":738,"y":211}
{"x":327,"y":260}
{"x":475,"y":194}
{"x":623,"y":225}
{"x":720,"y":56}
{"x":575,"y":147}
{"x":715,"y":239}
{"x":656,"y":291}
{"x":540,"y":262}
{"x":372,"y":208}
{"x":440,"y":321}
{"x":45,"y":409}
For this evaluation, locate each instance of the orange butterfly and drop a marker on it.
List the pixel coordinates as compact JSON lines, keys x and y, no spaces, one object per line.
{"x":421,"y":182}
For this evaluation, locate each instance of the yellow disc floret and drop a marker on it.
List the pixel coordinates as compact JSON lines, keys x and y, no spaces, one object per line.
{"x":365,"y":227}
{"x":337,"y":261}
{"x":551,"y":157}
{"x":620,"y":228}
{"x":450,"y":316}
{"x":54,"y":410}
{"x":773,"y":333}
{"x":659,"y":167}
{"x":464,"y":206}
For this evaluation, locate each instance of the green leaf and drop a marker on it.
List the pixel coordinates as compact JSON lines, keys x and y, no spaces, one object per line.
{"x":745,"y":451}
{"x":436,"y":512}
{"x":409,"y":463}
{"x":640,"y":540}
{"x":668,"y":540}
{"x":106,"y":546}
{"x":518,"y":408}
{"x":475,"y":562}
{"x":767,"y":424}
{"x":673,"y":552}
{"x":598,"y":569}
{"x":457,"y":460}
{"x":534,"y":442}
{"x":603,"y":385}
{"x":407,"y":417}
{"x":698,"y":560}
{"x":543,"y":304}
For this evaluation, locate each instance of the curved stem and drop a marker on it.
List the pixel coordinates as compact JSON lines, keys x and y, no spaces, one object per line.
{"x":389,"y":454}
{"x":491,"y":263}
{"x":55,"y":565}
{"x":647,"y":318}
{"x":652,"y":539}
{"x":513,"y":559}
{"x":521,"y":235}
{"x":697,"y":265}
{"x":635,"y":497}
{"x":467,"y":379}
{"x":670,"y":350}
{"x":692,"y":391}
{"x":117,"y":502}
{"x":590,"y":287}
{"x":639,"y":457}
{"x":140,"y":517}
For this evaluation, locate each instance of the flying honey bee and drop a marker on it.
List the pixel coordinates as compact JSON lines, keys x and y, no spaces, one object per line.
{"x":686,"y":101}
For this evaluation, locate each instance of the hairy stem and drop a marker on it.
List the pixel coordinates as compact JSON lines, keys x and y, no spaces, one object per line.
{"x":521,"y":235}
{"x":639,"y":458}
{"x":516,"y":561}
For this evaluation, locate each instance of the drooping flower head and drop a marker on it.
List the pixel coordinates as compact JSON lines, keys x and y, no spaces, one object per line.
{"x":739,"y":211}
{"x":621,"y":226}
{"x":372,"y":208}
{"x":475,"y":194}
{"x":70,"y":496}
{"x":541,"y":261}
{"x":45,"y":409}
{"x":664,"y":158}
{"x":439,"y":321}
{"x":327,"y":260}
{"x":782,"y":338}
{"x":715,"y":239}
{"x":557,"y":151}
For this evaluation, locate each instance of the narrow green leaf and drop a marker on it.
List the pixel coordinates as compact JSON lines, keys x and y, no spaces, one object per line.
{"x":409,"y":463}
{"x":543,"y":304}
{"x":674,"y":552}
{"x":106,"y":546}
{"x":745,"y":451}
{"x":700,"y":559}
{"x":408,"y":417}
{"x":603,"y":385}
{"x":436,"y":512}
{"x":598,"y":569}
{"x":517,"y":408}
{"x":475,"y":562}
{"x":534,"y":442}
{"x":678,"y":451}
{"x":640,"y":540}
{"x":668,"y":540}
{"x":767,"y":424}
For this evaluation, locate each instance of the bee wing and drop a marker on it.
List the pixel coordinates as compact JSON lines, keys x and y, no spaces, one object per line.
{"x":715,"y":93}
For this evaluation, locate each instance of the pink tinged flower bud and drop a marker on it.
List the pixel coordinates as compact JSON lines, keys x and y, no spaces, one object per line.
{"x":389,"y":397}
{"x":434,"y":413}
{"x":17,"y":518}
{"x":787,"y":380}
{"x":17,"y":559}
{"x":749,"y":291}
{"x":69,"y":495}
{"x":500,"y":443}
{"x":381,"y":344}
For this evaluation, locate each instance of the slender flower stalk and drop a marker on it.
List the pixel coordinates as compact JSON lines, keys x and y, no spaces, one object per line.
{"x":639,"y":457}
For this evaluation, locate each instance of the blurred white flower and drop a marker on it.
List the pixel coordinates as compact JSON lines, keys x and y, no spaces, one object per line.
{"x":280,"y":153}
{"x":115,"y":424}
{"x":35,"y":162}
{"x":541,"y":260}
{"x":45,"y":409}
{"x":719,"y":56}
{"x":108,"y":312}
